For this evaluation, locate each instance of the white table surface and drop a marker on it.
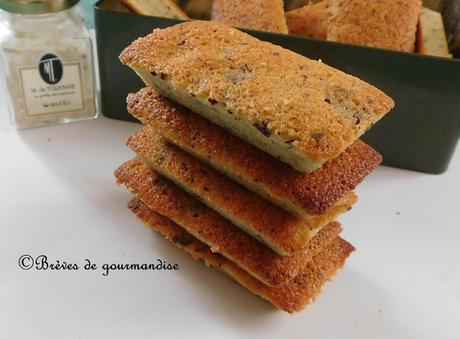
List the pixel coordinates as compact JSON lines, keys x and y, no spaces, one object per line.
{"x":58,"y":198}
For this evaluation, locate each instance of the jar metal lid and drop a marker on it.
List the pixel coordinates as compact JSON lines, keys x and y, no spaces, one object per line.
{"x":36,"y":6}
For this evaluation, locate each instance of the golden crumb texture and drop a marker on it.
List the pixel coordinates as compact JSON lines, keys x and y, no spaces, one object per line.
{"x":217,"y":232}
{"x":310,"y":20}
{"x":256,"y":14}
{"x":292,"y":297}
{"x":314,"y":109}
{"x":389,"y":24}
{"x":161,"y":8}
{"x":283,"y":232}
{"x":301,"y":193}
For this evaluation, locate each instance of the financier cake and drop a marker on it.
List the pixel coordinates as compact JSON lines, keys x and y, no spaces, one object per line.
{"x":292,"y":297}
{"x":299,"y":110}
{"x":304,"y":194}
{"x":310,"y":20}
{"x":205,"y":224}
{"x":260,"y":15}
{"x":248,"y":154}
{"x":281,"y":231}
{"x":386,"y":24}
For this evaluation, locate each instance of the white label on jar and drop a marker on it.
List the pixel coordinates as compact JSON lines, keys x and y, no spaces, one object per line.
{"x":52,"y":87}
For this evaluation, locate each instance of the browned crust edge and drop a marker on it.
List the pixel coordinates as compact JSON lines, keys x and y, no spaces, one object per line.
{"x":292,"y":297}
{"x":311,"y":193}
{"x":283,"y":232}
{"x":222,"y":236}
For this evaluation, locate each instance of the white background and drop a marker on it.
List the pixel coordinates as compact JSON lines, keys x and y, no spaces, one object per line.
{"x":58,"y":198}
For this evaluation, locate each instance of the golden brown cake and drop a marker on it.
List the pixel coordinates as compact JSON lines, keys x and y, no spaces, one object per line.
{"x":197,"y":9}
{"x":281,"y":231}
{"x":292,"y":297}
{"x":301,"y":193}
{"x":220,"y":234}
{"x":260,"y":15}
{"x":309,"y":21}
{"x":299,"y":110}
{"x":162,"y":8}
{"x":389,"y":24}
{"x":431,"y":34}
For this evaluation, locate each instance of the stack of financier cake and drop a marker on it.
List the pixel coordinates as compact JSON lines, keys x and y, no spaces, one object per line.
{"x":248,"y":154}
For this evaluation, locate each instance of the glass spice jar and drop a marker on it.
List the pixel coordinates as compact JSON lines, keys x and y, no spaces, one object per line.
{"x":46,"y":62}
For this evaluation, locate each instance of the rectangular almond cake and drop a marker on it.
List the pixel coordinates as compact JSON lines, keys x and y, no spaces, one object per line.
{"x":299,"y":110}
{"x":304,"y":194}
{"x":281,"y":231}
{"x":248,"y":154}
{"x":292,"y":297}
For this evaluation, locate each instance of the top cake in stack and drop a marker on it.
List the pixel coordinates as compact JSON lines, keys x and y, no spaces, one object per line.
{"x":296,"y":109}
{"x":250,"y":149}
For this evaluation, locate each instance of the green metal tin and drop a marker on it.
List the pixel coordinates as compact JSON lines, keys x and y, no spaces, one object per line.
{"x":420,"y":134}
